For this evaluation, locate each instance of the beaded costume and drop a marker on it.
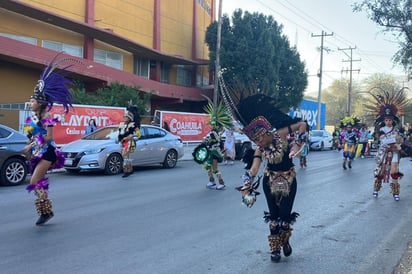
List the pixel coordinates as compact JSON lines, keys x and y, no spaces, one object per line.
{"x":209,"y":153}
{"x":349,"y":138}
{"x":262,"y":122}
{"x":385,"y":106}
{"x":128,"y":131}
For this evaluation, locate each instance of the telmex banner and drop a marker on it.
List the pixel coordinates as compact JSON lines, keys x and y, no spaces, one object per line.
{"x":188,"y":126}
{"x":308,"y":110}
{"x":73,"y":125}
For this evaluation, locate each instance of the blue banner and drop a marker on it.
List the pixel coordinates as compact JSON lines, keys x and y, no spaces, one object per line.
{"x":308,"y":110}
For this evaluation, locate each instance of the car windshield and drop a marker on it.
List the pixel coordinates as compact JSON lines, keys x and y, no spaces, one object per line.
{"x":108,"y":133}
{"x":317,"y":133}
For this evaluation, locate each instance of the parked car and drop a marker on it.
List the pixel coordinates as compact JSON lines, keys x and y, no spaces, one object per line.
{"x":320,"y":140}
{"x":13,"y":162}
{"x":100,"y":150}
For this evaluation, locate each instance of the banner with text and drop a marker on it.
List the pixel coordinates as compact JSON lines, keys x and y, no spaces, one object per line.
{"x":188,"y":126}
{"x":72,"y":125}
{"x":308,"y":110}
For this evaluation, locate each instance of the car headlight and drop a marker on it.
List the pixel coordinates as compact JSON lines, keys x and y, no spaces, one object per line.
{"x":93,"y":151}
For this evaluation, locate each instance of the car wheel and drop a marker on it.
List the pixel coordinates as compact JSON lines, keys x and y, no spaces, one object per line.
{"x":14,"y":172}
{"x":114,"y":164}
{"x":322,"y":146}
{"x":170,"y":159}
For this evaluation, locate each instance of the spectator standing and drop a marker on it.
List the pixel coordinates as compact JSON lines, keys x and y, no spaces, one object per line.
{"x":91,"y":127}
{"x":229,"y":147}
{"x":363,"y":139}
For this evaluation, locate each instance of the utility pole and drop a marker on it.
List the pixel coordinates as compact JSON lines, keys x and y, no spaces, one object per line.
{"x":349,"y":108}
{"x":217,"y":61}
{"x":320,"y":74}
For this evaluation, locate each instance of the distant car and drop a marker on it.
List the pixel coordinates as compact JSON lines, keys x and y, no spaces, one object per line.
{"x":320,"y":140}
{"x":100,"y":150}
{"x":13,"y":162}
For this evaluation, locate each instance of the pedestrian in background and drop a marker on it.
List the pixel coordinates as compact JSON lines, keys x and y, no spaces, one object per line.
{"x":229,"y":147}
{"x":91,"y":127}
{"x":363,"y":140}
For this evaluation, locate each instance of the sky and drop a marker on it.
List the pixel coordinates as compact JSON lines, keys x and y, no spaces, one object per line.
{"x":303,"y":22}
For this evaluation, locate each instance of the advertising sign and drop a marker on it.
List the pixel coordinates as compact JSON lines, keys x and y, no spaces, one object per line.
{"x":308,"y":110}
{"x":73,"y":125}
{"x":188,"y":126}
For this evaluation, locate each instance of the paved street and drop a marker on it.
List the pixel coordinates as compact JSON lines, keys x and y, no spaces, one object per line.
{"x":166,"y":221}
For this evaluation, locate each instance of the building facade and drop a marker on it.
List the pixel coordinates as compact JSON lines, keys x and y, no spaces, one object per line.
{"x":157,"y":46}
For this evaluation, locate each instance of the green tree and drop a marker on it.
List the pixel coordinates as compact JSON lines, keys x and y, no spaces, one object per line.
{"x":336,"y":99}
{"x":395,"y":17}
{"x":255,"y":54}
{"x":115,"y":95}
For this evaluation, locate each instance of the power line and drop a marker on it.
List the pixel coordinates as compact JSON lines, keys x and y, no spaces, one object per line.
{"x":320,"y":74}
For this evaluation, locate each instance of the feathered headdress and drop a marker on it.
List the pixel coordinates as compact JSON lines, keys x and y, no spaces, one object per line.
{"x":385,"y":104}
{"x":255,"y":111}
{"x":132,"y":112}
{"x":218,"y":116}
{"x":52,"y":86}
{"x":350,"y":120}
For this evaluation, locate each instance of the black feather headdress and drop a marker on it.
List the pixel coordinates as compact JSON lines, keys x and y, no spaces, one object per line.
{"x":385,"y":103}
{"x":254,"y":110}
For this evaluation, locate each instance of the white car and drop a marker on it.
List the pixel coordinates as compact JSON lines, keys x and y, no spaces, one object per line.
{"x":100,"y":150}
{"x":320,"y":140}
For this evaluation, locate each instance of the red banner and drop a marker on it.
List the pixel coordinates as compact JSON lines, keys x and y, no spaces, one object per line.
{"x":72,"y":125}
{"x":188,"y":126}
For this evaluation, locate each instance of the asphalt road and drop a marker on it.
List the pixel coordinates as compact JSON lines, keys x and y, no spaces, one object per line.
{"x":166,"y":221}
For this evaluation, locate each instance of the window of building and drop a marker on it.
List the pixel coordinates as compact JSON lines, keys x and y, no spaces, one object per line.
{"x":109,"y":58}
{"x":205,"y":5}
{"x":164,"y":72}
{"x":141,"y":67}
{"x":183,"y":76}
{"x":25,"y":39}
{"x":201,"y":80}
{"x":66,"y":48}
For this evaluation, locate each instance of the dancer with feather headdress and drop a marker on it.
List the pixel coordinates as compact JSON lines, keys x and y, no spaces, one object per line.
{"x":209,"y":152}
{"x":385,"y":106}
{"x":129,"y":129}
{"x":348,"y":139}
{"x":41,"y":148}
{"x":269,"y":128}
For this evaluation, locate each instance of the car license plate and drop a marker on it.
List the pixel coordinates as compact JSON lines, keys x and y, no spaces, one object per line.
{"x":68,"y":162}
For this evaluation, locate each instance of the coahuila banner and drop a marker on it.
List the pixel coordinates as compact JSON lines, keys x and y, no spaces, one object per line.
{"x":188,"y":126}
{"x":72,"y":125}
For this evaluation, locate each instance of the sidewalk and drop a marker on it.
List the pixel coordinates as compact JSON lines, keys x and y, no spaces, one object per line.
{"x":188,"y":147}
